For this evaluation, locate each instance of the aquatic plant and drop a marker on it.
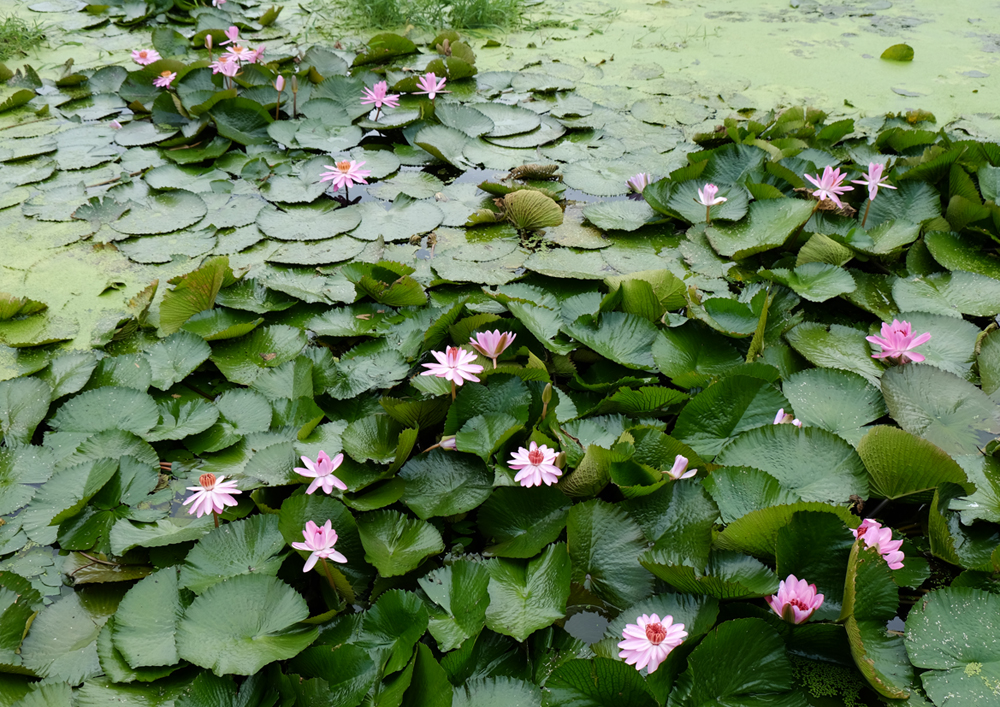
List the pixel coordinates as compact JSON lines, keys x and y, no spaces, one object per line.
{"x":189,"y":301}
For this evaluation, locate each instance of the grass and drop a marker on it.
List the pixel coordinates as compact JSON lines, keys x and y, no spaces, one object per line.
{"x":458,"y":14}
{"x":17,"y":37}
{"x":484,"y":13}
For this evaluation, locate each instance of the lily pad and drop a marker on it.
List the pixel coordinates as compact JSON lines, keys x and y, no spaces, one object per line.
{"x":162,"y":213}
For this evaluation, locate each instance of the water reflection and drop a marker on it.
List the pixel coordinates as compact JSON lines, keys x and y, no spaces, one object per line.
{"x":586,"y":626}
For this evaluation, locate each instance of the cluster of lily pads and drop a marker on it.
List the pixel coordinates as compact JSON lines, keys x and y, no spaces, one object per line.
{"x":557,"y":445}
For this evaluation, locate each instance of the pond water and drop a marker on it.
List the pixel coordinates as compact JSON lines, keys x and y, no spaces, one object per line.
{"x":714,"y":53}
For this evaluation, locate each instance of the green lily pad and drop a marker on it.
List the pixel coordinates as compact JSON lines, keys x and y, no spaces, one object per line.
{"x":951,"y":293}
{"x":242,"y":360}
{"x":791,"y":455}
{"x":266,"y":628}
{"x":405,"y":219}
{"x":960,"y":671}
{"x":162,"y":213}
{"x":940,"y":407}
{"x":307,"y":223}
{"x":518,"y":528}
{"x":901,"y":464}
{"x":252,"y":546}
{"x":442,"y":483}
{"x":395,"y":544}
{"x":527,"y":596}
{"x":769,"y":224}
{"x":242,"y":120}
{"x":508,"y":120}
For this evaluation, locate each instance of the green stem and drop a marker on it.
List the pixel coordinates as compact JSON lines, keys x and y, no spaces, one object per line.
{"x":863,"y":220}
{"x":329,"y":577}
{"x":708,"y":215}
{"x":216,"y":516}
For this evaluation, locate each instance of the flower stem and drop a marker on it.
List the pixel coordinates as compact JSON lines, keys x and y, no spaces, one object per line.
{"x":329,"y":577}
{"x":216,"y":516}
{"x":453,"y":390}
{"x":277,"y":106}
{"x":708,"y":215}
{"x":866,"y":213}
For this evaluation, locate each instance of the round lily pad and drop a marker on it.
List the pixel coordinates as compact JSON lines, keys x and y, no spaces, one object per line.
{"x":307,"y":223}
{"x":162,"y":213}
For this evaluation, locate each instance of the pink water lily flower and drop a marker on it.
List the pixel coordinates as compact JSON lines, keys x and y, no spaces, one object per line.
{"x":873,"y":179}
{"x":679,"y":470}
{"x":345,"y":173}
{"x":321,"y":472}
{"x":639,"y":182}
{"x":212,"y":496}
{"x":145,"y":56}
{"x":255,"y":54}
{"x":455,"y":365}
{"x":379,"y":96}
{"x":649,"y":641}
{"x":897,"y":342}
{"x":708,"y":196}
{"x":116,"y":125}
{"x":319,"y":540}
{"x":165,"y":79}
{"x":783,"y":418}
{"x":535,"y":465}
{"x":239,"y":54}
{"x":795,"y":601}
{"x":448,"y":442}
{"x":232,"y":35}
{"x":874,"y":535}
{"x":225,"y":65}
{"x":492,"y":343}
{"x":431,"y":85}
{"x":829,"y":186}
{"x":218,"y":3}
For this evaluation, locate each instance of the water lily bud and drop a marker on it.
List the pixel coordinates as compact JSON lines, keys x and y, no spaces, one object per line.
{"x":547,"y":394}
{"x":280,"y":84}
{"x":208,"y":41}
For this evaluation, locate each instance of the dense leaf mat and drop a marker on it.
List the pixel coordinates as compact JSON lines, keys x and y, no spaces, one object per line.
{"x":183,"y":296}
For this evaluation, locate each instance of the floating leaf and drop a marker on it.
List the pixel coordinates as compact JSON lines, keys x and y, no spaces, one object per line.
{"x":145,"y":626}
{"x":525,"y":597}
{"x":901,"y":464}
{"x":769,"y":224}
{"x":240,"y":625}
{"x":242,"y":120}
{"x":395,"y":544}
{"x":243,"y":547}
{"x":940,"y":407}
{"x":898,"y":52}
{"x":966,"y":669}
{"x":604,"y":547}
{"x":442,"y":483}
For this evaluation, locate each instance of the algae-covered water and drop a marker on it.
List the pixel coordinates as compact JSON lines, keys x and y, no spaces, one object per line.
{"x":746,"y":54}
